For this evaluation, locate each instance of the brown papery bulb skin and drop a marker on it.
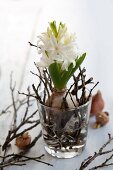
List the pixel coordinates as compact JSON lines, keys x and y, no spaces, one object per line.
{"x":102,"y":118}
{"x":23,"y":141}
{"x":97,"y":103}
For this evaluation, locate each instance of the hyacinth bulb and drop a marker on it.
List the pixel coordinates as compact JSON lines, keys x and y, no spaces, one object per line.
{"x":102,"y":118}
{"x":97,"y":103}
{"x":23,"y":141}
{"x":56,"y":99}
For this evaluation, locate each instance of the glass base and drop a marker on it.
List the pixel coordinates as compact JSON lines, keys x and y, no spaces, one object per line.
{"x":65,"y":154}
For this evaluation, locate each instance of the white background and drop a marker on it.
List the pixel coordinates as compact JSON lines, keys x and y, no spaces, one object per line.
{"x":92,"y":20}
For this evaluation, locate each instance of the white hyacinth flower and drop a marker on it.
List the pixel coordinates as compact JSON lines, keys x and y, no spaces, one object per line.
{"x":57,"y":45}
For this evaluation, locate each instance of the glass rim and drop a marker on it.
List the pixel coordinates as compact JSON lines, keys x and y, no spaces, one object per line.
{"x":68,"y":109}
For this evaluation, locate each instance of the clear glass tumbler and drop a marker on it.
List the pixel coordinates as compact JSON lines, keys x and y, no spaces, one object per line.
{"x":64,"y":132}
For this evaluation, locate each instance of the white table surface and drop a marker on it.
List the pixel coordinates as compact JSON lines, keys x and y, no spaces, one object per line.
{"x":21,"y":21}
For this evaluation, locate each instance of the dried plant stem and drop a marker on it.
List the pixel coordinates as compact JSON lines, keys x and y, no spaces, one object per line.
{"x":20,"y":159}
{"x":104,"y":164}
{"x":68,"y":91}
{"x":83,"y":95}
{"x":12,"y":88}
{"x":81,"y":78}
{"x":12,"y":134}
{"x":19,"y":104}
{"x":48,"y":79}
{"x":83,"y":99}
{"x":44,"y":83}
{"x":90,"y":159}
{"x":3,"y":158}
{"x":32,"y":44}
{"x":27,"y":95}
{"x":37,"y":95}
{"x":16,"y":159}
{"x":92,"y":90}
{"x":75,"y":90}
{"x":72,"y":100}
{"x":45,"y":78}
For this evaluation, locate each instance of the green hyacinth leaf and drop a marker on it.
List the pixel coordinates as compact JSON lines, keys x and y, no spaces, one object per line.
{"x":55,"y":73}
{"x":61,"y":77}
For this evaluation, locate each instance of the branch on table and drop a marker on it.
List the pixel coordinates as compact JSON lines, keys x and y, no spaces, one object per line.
{"x":19,"y":131}
{"x":100,"y":152}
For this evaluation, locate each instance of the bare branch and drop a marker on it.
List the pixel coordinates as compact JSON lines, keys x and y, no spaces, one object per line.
{"x":90,"y":159}
{"x":32,"y":44}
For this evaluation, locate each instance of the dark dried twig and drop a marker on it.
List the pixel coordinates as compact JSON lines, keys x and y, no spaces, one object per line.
{"x":12,"y":134}
{"x":89,"y":81}
{"x":47,"y":79}
{"x":37,"y":95}
{"x":68,"y":91}
{"x":104,"y":164}
{"x":15,"y":132}
{"x":75,"y":90}
{"x":90,"y":159}
{"x":48,"y":88}
{"x":12,"y":89}
{"x":72,"y":99}
{"x":47,"y":82}
{"x":16,"y":159}
{"x":64,"y":104}
{"x":43,"y":81}
{"x":20,"y":159}
{"x":18,"y":102}
{"x":91,"y":91}
{"x":27,"y":95}
{"x":80,"y":78}
{"x":83,"y":95}
{"x":32,"y":44}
